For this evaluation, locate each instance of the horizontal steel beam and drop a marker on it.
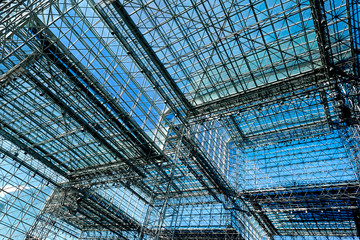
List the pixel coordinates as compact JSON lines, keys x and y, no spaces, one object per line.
{"x":336,"y":189}
{"x":16,"y":141}
{"x":28,"y":166}
{"x":258,"y":96}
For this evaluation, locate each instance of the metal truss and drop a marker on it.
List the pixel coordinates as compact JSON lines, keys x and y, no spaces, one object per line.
{"x":179,"y":119}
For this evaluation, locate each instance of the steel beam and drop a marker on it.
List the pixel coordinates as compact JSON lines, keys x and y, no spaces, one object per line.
{"x":79,"y":119}
{"x":28,"y":166}
{"x":238,"y":129}
{"x":150,"y":52}
{"x":320,"y":23}
{"x":32,"y":152}
{"x":310,"y":194}
{"x":356,"y":214}
{"x":232,"y":103}
{"x":264,"y":221}
{"x":137,"y":59}
{"x":324,"y":43}
{"x":63,"y":61}
{"x":139,"y":138}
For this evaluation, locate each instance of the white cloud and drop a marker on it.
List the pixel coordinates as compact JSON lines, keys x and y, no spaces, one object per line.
{"x":10,"y":188}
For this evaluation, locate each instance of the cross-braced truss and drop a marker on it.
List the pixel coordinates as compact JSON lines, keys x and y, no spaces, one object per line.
{"x":179,"y":119}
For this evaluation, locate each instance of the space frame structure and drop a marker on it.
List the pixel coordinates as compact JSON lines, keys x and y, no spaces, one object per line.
{"x":179,"y":119}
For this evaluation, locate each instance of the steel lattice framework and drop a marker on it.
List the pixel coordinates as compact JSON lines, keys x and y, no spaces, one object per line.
{"x":179,"y":119}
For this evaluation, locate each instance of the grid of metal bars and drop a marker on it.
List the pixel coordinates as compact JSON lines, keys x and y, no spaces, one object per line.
{"x":179,"y":119}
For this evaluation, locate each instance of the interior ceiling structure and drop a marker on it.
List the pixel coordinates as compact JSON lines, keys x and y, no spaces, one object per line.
{"x":179,"y":119}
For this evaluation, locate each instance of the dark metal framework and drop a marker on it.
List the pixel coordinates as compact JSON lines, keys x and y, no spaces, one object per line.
{"x":179,"y":119}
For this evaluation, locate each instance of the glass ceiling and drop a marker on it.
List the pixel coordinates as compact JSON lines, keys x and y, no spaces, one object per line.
{"x":215,"y":49}
{"x":181,"y":118}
